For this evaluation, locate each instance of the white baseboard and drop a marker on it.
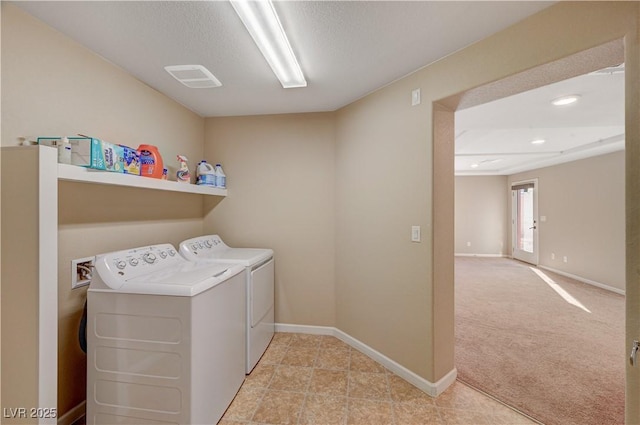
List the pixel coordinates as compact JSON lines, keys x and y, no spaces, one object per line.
{"x":584,"y":280}
{"x":305,"y":329}
{"x":433,"y":389}
{"x":73,"y":415}
{"x":482,"y":255}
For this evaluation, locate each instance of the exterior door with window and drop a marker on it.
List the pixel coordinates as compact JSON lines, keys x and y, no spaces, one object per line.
{"x":524,"y":221}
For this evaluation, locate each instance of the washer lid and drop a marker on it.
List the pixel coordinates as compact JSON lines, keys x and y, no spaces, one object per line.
{"x":187,"y":279}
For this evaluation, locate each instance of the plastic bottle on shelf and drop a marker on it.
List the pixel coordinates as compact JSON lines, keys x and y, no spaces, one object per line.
{"x":150,"y":161}
{"x":221,"y":178}
{"x":205,"y":174}
{"x":183,"y":175}
{"x":151,"y":164}
{"x":64,"y":151}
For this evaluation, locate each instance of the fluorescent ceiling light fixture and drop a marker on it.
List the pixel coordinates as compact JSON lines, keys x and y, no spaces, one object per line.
{"x":474,"y":165}
{"x":263,"y":24}
{"x":538,"y":141}
{"x":193,"y":76}
{"x":565,"y":100}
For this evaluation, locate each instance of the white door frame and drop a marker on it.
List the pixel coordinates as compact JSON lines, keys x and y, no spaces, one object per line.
{"x":517,"y":254}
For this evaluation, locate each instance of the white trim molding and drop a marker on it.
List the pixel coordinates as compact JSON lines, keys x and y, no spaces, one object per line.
{"x":433,"y":389}
{"x":482,"y":255}
{"x":47,"y":282}
{"x":584,"y":280}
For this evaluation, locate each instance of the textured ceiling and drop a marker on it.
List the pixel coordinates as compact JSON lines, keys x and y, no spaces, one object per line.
{"x":348,"y":49}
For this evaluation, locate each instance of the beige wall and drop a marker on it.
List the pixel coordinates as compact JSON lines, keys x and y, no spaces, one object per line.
{"x":20,"y":284}
{"x":385,"y":296}
{"x":334,"y":194}
{"x":385,"y":285}
{"x":583,"y":202}
{"x":54,"y":86}
{"x":280,"y":177}
{"x":481,"y":215}
{"x":383,"y":175}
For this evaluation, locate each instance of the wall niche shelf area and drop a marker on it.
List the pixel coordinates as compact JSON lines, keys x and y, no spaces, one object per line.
{"x":87,"y":175}
{"x":30,"y":195}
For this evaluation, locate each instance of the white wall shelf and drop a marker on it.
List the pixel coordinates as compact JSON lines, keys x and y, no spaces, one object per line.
{"x":87,"y":175}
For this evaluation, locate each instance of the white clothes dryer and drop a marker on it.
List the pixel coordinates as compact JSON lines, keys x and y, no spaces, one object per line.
{"x":259,"y":265}
{"x":165,"y":338}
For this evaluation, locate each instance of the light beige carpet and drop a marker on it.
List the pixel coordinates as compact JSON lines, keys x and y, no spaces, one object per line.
{"x":521,"y":342}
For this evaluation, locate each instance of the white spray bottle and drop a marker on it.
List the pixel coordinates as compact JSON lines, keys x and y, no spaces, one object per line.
{"x":183,"y":175}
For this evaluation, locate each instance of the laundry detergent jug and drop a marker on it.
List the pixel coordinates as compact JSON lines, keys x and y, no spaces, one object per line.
{"x":150,"y":161}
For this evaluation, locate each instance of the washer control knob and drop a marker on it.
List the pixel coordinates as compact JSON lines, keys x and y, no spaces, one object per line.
{"x":194,"y":246}
{"x":149,"y":257}
{"x":208,"y":243}
{"x":172,"y":252}
{"x":133,"y":262}
{"x":121,"y":264}
{"x":163,"y":254}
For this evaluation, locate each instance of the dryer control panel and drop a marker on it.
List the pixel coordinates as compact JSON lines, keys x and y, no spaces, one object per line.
{"x":192,"y":248}
{"x":213,"y":248}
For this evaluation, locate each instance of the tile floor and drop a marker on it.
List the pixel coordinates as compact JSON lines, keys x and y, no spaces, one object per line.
{"x":313,"y":379}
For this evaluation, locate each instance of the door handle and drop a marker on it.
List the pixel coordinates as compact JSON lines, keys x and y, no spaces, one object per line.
{"x":534,"y":228}
{"x":634,"y":352}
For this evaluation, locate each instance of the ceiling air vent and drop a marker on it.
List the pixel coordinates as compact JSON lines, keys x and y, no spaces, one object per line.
{"x":193,"y":76}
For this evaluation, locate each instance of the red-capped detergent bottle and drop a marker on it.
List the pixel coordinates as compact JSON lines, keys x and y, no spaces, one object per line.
{"x":150,"y":161}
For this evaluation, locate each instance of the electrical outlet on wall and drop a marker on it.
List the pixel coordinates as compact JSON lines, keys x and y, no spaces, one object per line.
{"x":553,"y":256}
{"x":415,"y":233}
{"x":415,"y":97}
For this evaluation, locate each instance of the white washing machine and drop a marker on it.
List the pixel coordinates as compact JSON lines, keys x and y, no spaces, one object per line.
{"x":165,"y":338}
{"x":259,"y":264}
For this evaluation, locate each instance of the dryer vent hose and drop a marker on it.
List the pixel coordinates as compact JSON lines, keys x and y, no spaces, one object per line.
{"x":82,"y":330}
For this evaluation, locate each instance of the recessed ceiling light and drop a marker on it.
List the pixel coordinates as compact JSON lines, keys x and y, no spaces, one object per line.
{"x":538,"y":141}
{"x":565,"y":100}
{"x":474,"y":165}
